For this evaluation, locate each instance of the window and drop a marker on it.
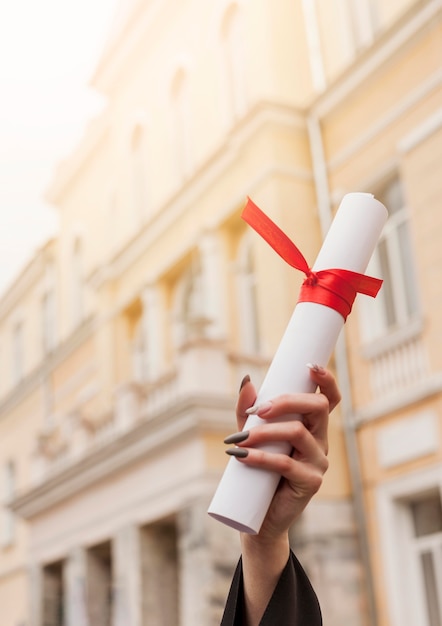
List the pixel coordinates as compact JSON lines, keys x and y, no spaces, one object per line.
{"x":233,"y":75}
{"x":139,"y":353}
{"x":77,"y":293}
{"x":48,"y":321}
{"x":181,"y":124}
{"x":48,"y":310}
{"x":139,"y":172}
{"x":18,"y":352}
{"x":247,"y":304}
{"x":189,"y":310}
{"x":8,"y":521}
{"x":397,"y":304}
{"x":193,"y":296}
{"x":53,"y":595}
{"x":410,"y":528}
{"x":100,"y":592}
{"x":426,"y":513}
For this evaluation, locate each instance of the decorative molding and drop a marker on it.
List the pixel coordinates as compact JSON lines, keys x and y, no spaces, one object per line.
{"x":408,"y":439}
{"x":392,"y":339}
{"x":414,"y":23}
{"x":32,"y":381}
{"x":433,"y":83}
{"x":202,"y":179}
{"x":421,"y":132}
{"x":423,"y":390}
{"x":147,"y":437}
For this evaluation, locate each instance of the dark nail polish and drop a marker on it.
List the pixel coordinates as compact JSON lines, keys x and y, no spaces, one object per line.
{"x":237,"y":437}
{"x":244,"y":381}
{"x":240,"y":453}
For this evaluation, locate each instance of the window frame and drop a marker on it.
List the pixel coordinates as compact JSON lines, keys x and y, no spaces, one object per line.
{"x":8,"y":525}
{"x":374,"y":323}
{"x":404,"y":587}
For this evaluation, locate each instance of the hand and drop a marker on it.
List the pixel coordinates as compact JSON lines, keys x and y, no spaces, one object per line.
{"x":302,"y":472}
{"x":265,"y":555}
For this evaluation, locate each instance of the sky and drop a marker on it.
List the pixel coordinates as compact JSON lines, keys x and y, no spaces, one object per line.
{"x":48,"y":52}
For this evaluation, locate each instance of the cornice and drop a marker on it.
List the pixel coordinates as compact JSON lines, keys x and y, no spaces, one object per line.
{"x":124,"y":42}
{"x":204,"y":176}
{"x":46,"y":366}
{"x":413,"y":24}
{"x":150,"y":436}
{"x":95,"y":134}
{"x":431,"y":84}
{"x":27,"y":278}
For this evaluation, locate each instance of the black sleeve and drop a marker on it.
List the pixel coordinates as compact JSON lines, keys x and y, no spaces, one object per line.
{"x":293,"y":603}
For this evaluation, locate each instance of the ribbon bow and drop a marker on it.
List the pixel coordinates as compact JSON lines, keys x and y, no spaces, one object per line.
{"x":335,"y":288}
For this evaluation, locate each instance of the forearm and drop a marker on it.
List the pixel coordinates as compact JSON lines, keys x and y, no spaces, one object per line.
{"x":263,"y":563}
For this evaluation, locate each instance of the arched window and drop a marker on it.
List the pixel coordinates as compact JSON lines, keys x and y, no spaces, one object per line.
{"x":18,"y":352}
{"x":77,"y":289}
{"x":48,"y":310}
{"x":181,"y":124}
{"x":189,"y":314}
{"x":232,"y":61}
{"x":247,"y":301}
{"x":139,"y":352}
{"x":139,"y":172}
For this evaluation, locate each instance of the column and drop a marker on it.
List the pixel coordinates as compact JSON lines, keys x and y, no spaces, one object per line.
{"x":159,"y":567}
{"x":152,"y":331}
{"x":127,"y":599}
{"x":213,"y":283}
{"x":195,"y":566}
{"x":75,"y":583}
{"x":35,"y":578}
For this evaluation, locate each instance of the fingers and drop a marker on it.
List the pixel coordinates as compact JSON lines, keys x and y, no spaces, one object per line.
{"x":327,"y":385}
{"x":246,"y":399}
{"x":263,"y":444}
{"x":314,"y":408}
{"x":306,"y":447}
{"x":303,"y":469}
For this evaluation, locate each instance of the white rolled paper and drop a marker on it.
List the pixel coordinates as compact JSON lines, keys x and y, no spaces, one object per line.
{"x":244,"y":493}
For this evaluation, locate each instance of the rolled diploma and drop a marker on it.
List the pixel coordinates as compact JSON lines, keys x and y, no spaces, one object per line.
{"x":244,"y":493}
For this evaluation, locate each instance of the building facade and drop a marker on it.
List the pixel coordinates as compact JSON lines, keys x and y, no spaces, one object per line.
{"x":123,"y":342}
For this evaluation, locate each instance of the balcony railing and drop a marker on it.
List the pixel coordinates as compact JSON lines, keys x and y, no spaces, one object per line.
{"x":398,"y":367}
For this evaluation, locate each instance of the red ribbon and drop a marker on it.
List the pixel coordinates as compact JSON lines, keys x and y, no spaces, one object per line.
{"x":335,"y":288}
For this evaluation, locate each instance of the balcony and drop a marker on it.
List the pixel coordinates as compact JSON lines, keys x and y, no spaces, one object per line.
{"x":399,"y":372}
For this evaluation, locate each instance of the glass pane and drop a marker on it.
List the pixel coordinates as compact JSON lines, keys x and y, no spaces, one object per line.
{"x":387,"y":293}
{"x":427,"y":515}
{"x":409,"y":280}
{"x":433,"y":608}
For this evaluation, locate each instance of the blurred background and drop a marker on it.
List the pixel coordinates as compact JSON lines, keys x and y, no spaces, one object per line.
{"x":133,"y":299}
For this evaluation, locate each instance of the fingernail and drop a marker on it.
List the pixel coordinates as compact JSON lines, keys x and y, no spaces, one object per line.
{"x":316,"y":368}
{"x":239,"y":453}
{"x":237,"y":437}
{"x":244,"y":381}
{"x":260,"y":409}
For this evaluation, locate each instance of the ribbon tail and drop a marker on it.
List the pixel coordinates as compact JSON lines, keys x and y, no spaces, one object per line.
{"x":274,"y":236}
{"x":368,"y":285}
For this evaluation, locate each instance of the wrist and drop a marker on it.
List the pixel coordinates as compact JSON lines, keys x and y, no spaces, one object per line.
{"x":265,"y":546}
